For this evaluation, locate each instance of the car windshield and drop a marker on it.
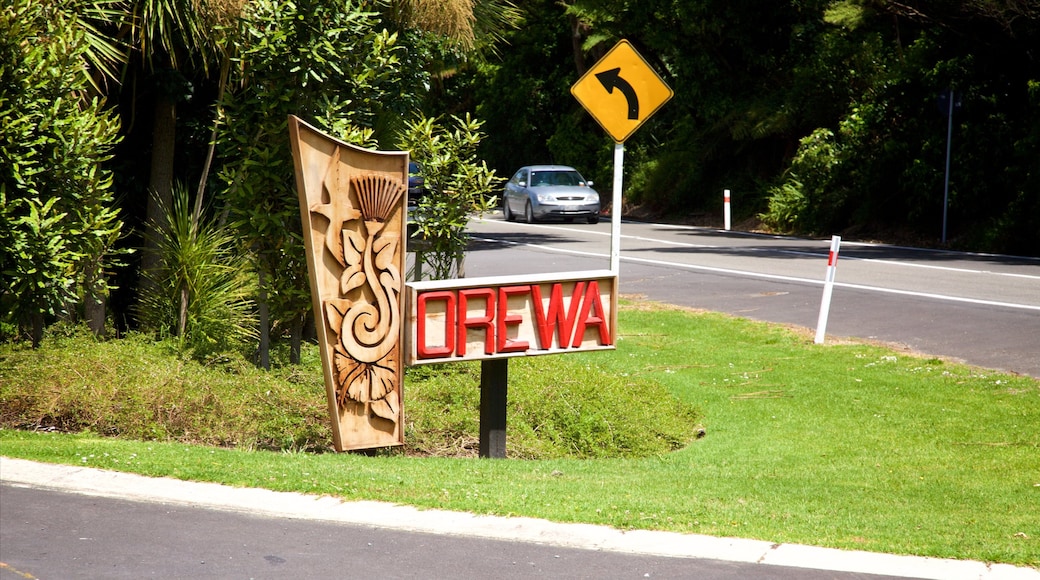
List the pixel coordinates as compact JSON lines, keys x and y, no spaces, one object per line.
{"x":544,"y":178}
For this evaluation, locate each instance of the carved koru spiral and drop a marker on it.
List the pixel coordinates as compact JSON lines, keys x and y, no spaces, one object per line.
{"x":367,"y":319}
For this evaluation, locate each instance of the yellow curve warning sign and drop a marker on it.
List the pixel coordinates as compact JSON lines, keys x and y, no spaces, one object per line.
{"x":621,"y":91}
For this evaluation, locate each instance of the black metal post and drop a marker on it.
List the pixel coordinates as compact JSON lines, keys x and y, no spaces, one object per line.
{"x":494,"y":377}
{"x":946,"y":186}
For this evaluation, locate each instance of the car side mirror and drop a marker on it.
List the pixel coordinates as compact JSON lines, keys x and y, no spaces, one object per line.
{"x":522,"y":183}
{"x":588,"y":183}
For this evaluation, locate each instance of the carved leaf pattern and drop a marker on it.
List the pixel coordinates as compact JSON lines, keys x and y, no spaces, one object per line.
{"x":353,"y":249}
{"x":336,"y":213}
{"x":385,"y":248}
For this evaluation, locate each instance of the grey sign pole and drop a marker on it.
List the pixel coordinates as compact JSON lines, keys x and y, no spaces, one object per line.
{"x":615,"y":210}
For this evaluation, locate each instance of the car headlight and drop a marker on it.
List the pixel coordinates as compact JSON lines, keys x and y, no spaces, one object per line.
{"x":546,"y":198}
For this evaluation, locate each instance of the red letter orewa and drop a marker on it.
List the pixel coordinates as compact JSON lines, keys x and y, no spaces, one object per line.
{"x":547,"y":322}
{"x":486,"y":321}
{"x":422,"y":350}
{"x":506,"y":320}
{"x":591,"y":302}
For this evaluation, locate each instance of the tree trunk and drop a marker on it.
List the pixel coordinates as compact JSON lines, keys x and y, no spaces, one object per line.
{"x":310,"y":331}
{"x":225,"y":67}
{"x":160,"y":182}
{"x":264,"y":354}
{"x":577,"y":39}
{"x":37,"y":330}
{"x":94,"y":312}
{"x":94,"y":300}
{"x":182,"y":320}
{"x":296,"y":339}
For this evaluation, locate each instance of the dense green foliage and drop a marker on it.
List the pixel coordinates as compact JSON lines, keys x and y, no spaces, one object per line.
{"x":58,"y":218}
{"x":821,"y":116}
{"x":829,"y":109}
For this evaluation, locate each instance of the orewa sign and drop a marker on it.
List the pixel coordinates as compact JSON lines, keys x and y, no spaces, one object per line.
{"x":500,"y":317}
{"x":371,"y":324}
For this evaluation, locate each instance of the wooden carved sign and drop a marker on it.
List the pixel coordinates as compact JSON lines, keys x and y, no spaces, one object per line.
{"x":352,"y":202}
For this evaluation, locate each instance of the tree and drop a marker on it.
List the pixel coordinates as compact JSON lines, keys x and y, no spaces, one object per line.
{"x":58,"y":224}
{"x":329,"y":63}
{"x":524,"y":99}
{"x":877,"y":163}
{"x":458,"y":185}
{"x":474,"y":26}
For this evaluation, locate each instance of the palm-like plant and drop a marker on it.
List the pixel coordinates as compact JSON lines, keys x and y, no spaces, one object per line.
{"x":104,"y":53}
{"x":171,"y":36}
{"x":473,"y":25}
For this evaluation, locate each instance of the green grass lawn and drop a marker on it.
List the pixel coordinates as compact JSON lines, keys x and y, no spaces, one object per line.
{"x":844,"y":445}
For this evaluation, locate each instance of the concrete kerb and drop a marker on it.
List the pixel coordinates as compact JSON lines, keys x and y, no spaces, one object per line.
{"x":113,"y":484}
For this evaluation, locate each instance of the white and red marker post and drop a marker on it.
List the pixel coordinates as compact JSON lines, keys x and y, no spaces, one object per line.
{"x":828,"y":289}
{"x":725,"y":208}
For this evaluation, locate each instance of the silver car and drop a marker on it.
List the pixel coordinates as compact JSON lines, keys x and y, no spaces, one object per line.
{"x":550,"y":191}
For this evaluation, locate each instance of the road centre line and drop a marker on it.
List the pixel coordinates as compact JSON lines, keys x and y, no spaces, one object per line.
{"x":779,"y":277}
{"x":606,"y":234}
{"x":944,"y":268}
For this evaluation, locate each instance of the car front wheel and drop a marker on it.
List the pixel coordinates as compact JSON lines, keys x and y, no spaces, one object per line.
{"x":528,"y":213}
{"x":506,"y":212}
{"x":594,"y":218}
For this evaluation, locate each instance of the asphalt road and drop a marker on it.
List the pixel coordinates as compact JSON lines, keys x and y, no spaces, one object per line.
{"x":980,"y":309}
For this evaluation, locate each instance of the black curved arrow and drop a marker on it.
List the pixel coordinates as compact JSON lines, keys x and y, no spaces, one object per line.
{"x":611,"y":79}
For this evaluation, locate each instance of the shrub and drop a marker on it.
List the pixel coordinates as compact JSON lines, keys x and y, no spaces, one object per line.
{"x":137,"y":388}
{"x":558,"y":406}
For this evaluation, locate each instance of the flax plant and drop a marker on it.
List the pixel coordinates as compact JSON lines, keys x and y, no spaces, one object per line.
{"x":201,"y":290}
